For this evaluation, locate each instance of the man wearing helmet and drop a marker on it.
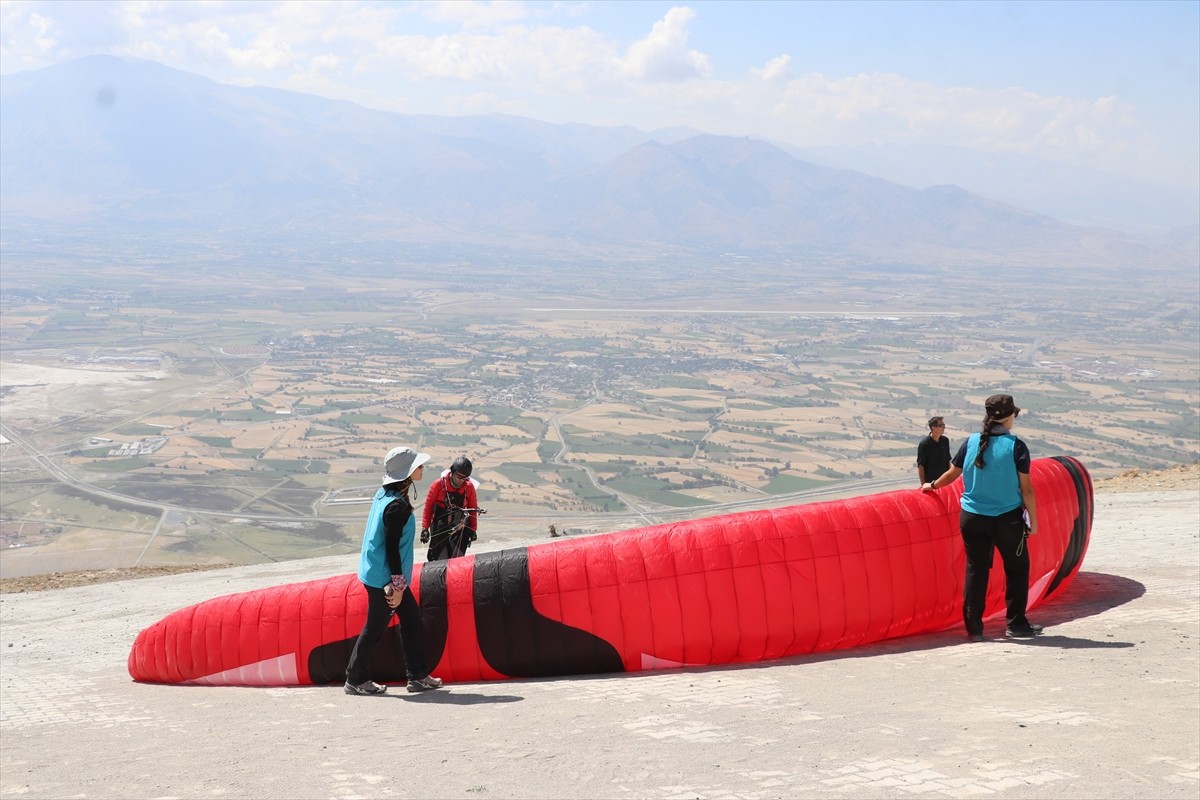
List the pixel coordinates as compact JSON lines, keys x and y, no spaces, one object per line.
{"x":450,"y":520}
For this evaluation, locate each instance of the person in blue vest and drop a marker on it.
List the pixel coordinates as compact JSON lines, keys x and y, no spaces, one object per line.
{"x":999,"y":511}
{"x":385,"y":569}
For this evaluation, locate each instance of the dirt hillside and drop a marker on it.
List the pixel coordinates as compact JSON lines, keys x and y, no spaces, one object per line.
{"x":1167,"y":480}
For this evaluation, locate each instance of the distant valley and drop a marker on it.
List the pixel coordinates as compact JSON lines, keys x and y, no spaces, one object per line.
{"x":156,"y":415}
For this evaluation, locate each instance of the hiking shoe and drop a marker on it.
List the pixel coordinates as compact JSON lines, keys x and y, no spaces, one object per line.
{"x":364,"y":688}
{"x":1027,"y":632}
{"x":424,"y":684}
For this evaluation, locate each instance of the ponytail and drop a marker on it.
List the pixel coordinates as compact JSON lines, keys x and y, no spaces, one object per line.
{"x":403,"y":488}
{"x":985,"y":435}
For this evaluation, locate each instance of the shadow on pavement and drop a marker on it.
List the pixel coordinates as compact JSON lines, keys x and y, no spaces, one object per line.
{"x":1068,"y":642}
{"x":448,"y":696}
{"x":1091,"y":593}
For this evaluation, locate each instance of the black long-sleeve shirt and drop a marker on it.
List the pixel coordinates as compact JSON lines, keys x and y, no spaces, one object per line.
{"x":395,"y":517}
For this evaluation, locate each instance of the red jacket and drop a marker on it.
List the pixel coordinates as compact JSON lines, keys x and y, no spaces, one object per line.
{"x":435,"y":501}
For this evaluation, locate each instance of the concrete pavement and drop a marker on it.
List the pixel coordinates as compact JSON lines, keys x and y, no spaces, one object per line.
{"x":1105,"y":704}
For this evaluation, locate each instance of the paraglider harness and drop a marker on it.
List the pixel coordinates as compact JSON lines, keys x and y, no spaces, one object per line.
{"x":449,"y":536}
{"x":1025,"y":533}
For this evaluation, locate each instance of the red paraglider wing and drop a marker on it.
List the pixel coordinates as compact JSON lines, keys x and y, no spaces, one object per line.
{"x":727,"y":589}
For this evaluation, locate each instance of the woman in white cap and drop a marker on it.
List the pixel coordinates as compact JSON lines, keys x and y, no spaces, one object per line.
{"x":999,"y":511}
{"x":385,"y":569}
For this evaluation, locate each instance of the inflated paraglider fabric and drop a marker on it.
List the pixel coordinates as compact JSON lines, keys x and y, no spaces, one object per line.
{"x":736,"y":588}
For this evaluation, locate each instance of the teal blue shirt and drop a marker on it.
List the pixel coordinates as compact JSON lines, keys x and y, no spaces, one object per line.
{"x":373,"y":567}
{"x":994,"y":488}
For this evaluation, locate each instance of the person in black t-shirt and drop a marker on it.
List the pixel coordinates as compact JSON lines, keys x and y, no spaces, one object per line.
{"x":933,"y":453}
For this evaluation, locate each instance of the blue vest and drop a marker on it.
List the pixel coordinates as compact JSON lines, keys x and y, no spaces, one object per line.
{"x":372,"y":563}
{"x":993,"y":489}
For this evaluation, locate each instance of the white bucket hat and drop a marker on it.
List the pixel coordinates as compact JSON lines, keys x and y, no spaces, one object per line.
{"x":401,"y":463}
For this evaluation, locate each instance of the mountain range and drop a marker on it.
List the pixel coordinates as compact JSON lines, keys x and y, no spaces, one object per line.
{"x":134,"y":148}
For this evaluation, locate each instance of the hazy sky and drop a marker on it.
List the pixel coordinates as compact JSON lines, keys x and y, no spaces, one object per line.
{"x":1111,"y":85}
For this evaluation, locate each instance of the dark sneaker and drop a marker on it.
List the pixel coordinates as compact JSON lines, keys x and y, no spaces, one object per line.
{"x":975,"y":637}
{"x":1027,"y":632}
{"x":366,"y":687}
{"x":424,"y":684}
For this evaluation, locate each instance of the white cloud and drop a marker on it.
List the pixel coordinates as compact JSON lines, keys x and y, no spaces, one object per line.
{"x":254,"y":37}
{"x":269,"y":51}
{"x":325,"y":62}
{"x":472,"y":14}
{"x":207,"y":44}
{"x":542,"y":59}
{"x":777,"y":69}
{"x":549,"y":59}
{"x":460,"y":57}
{"x":509,"y":56}
{"x":139,"y":14}
{"x":663,"y":54}
{"x":568,"y":10}
{"x":27,"y":39}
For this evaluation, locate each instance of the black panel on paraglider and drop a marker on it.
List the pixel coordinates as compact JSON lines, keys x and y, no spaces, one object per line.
{"x":513,"y":637}
{"x":515,"y":640}
{"x":327,"y":663}
{"x":435,"y":616}
{"x":1077,"y":544}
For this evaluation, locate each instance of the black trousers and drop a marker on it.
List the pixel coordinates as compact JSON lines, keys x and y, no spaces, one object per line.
{"x":378,"y":617}
{"x":446,"y":546}
{"x":981,"y":537}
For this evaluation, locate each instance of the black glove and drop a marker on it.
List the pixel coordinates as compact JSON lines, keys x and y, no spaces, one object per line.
{"x":474,"y":535}
{"x":424,"y":535}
